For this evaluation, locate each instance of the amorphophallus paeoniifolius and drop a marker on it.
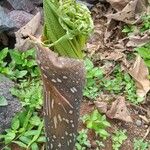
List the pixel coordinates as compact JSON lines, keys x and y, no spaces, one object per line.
{"x":67,"y":26}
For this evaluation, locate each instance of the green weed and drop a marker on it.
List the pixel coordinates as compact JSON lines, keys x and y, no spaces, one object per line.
{"x":118,"y":138}
{"x":17,"y":65}
{"x":144,"y":52}
{"x":27,"y":127}
{"x":128,"y":29}
{"x":146,"y":23}
{"x":122,"y":83}
{"x":139,"y":144}
{"x":98,"y":123}
{"x":82,"y":140}
{"x":30,"y":93}
{"x":26,"y":131}
{"x":3,"y":101}
{"x":93,"y":75}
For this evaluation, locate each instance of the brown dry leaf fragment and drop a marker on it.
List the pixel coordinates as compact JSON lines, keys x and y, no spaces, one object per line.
{"x":140,"y":73}
{"x":115,"y":55}
{"x":127,"y":15}
{"x":33,"y":27}
{"x":118,"y":4}
{"x":119,"y":110}
{"x":101,"y":106}
{"x":138,"y":40}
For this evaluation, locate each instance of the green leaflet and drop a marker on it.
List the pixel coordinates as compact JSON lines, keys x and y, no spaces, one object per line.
{"x":68,"y":25}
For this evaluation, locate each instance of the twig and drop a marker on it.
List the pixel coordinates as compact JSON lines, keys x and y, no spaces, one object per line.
{"x":147,"y":132}
{"x":139,"y":107}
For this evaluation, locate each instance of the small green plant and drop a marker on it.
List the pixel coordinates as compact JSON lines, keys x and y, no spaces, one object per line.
{"x":139,"y":144}
{"x":93,"y":75}
{"x":19,"y":64}
{"x":3,"y":101}
{"x":130,"y":90}
{"x":118,"y":138}
{"x":82,"y":140}
{"x":98,"y":123}
{"x":30,"y":93}
{"x":146,"y":23}
{"x":121,"y":83}
{"x":3,"y":63}
{"x":128,"y":29}
{"x":26,"y":131}
{"x":27,"y":127}
{"x":99,"y":145}
{"x":144,"y":52}
{"x":115,"y":84}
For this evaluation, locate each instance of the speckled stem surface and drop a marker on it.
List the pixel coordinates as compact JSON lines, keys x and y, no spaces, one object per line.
{"x":63,"y":81}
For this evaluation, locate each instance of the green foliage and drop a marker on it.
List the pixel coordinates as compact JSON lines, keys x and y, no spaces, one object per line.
{"x":82,"y":140}
{"x":3,"y":63}
{"x":146,"y":23}
{"x":93,"y":74}
{"x":99,"y":145}
{"x":130,"y":90}
{"x":144,"y":52}
{"x":98,"y":123}
{"x":128,"y":29}
{"x":3,"y":101}
{"x":118,"y":82}
{"x":139,"y":144}
{"x":115,"y":84}
{"x":30,"y":93}
{"x":27,"y":127}
{"x":26,"y":131}
{"x":118,"y":138}
{"x":21,"y":64}
{"x":122,"y":83}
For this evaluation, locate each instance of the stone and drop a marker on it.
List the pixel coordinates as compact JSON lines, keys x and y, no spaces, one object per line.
{"x":25,"y":5}
{"x":7,"y":112}
{"x":37,"y":2}
{"x":5,"y":22}
{"x":138,"y":123}
{"x":20,"y":18}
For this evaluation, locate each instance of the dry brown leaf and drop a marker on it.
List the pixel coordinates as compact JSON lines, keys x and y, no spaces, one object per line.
{"x":140,"y":73}
{"x":118,"y":4}
{"x":119,"y":110}
{"x":115,"y":55}
{"x":127,"y":14}
{"x":101,"y":106}
{"x":33,"y":27}
{"x":138,"y":40}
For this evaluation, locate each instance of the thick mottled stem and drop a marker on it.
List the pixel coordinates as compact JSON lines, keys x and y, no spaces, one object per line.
{"x":63,"y":80}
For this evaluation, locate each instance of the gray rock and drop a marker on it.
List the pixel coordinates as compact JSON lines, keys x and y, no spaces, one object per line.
{"x":138,"y":123}
{"x":20,"y":18}
{"x":5,"y":22}
{"x":37,"y":2}
{"x":14,"y":106}
{"x":25,"y":5}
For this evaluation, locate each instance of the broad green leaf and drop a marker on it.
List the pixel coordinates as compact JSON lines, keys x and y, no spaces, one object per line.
{"x":35,"y":120}
{"x":9,"y":137}
{"x":34,"y":146}
{"x":19,"y":143}
{"x":3,"y":101}
{"x":41,"y":139}
{"x":3,"y":53}
{"x":15,"y":123}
